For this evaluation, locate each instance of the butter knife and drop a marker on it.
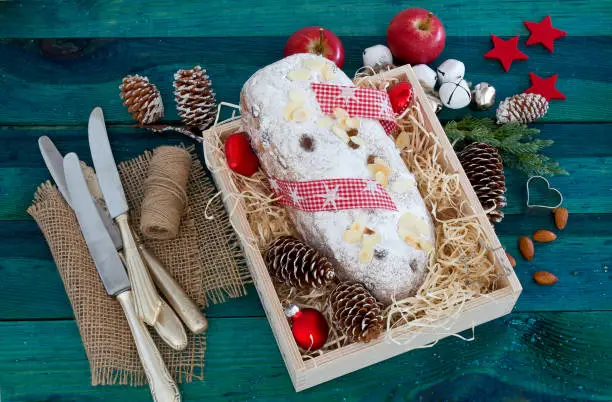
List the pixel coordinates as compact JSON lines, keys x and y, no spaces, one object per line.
{"x":168,"y":326}
{"x":146,"y":298}
{"x":115,"y":280}
{"x":181,"y":303}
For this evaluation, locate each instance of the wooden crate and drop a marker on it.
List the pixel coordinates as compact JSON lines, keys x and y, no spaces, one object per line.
{"x":305,"y":374}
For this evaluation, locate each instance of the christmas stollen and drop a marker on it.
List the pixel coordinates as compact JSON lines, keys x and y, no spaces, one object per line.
{"x":337,"y":170}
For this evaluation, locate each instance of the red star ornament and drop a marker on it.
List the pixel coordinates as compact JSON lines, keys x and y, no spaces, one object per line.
{"x":543,"y":32}
{"x":506,"y":51}
{"x":545,"y":87}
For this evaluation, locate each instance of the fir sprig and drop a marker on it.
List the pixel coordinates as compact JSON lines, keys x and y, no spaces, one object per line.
{"x":516,"y":143}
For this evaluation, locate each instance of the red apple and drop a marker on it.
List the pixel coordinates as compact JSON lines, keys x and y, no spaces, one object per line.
{"x":316,"y":40}
{"x":416,"y":36}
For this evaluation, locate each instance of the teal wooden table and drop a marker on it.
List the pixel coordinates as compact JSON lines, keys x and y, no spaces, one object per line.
{"x":557,"y":343}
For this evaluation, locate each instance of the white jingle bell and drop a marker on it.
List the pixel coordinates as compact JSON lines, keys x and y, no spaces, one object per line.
{"x":450,"y":71}
{"x":455,"y":95}
{"x":378,"y":54}
{"x":426,"y":76}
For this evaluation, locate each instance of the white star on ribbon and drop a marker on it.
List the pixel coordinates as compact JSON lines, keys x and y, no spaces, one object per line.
{"x":274,"y":186}
{"x":330,"y":196}
{"x":348,"y":93}
{"x":385,"y":107}
{"x":372,"y":186}
{"x":294,"y":196}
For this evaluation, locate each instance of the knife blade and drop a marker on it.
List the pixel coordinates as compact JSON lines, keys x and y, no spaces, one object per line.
{"x":104,"y":162}
{"x":55,"y":164}
{"x":115,"y":279}
{"x":105,"y":256}
{"x":168,"y":326}
{"x":176,"y":296}
{"x":147,"y":301}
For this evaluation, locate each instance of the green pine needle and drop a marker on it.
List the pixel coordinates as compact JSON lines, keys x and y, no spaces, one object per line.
{"x":517,"y":143}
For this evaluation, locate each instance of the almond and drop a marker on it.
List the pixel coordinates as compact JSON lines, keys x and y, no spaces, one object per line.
{"x":368,"y":231}
{"x":511,"y":259}
{"x":560,"y":217}
{"x":526,"y":248}
{"x":545,"y":278}
{"x":544,"y":236}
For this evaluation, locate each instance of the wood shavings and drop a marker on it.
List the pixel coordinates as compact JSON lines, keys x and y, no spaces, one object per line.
{"x":460,"y":266}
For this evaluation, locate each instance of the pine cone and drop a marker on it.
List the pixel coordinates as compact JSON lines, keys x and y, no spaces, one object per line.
{"x":356,"y":312}
{"x":522,"y":108}
{"x":483,"y":167}
{"x":142,"y":99}
{"x":294,"y":263}
{"x":195,"y":99}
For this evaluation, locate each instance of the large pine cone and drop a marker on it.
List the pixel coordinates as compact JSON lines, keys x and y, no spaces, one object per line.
{"x":294,"y":263}
{"x":522,"y":108}
{"x":356,"y":312}
{"x":142,"y":99}
{"x":483,"y":167}
{"x":195,"y":99}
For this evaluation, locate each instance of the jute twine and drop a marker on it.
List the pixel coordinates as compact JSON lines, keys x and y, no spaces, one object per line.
{"x":165,"y":193}
{"x":460,"y":269}
{"x":205,"y":258}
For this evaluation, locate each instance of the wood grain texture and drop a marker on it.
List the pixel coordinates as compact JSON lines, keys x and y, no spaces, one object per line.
{"x":539,"y":357}
{"x":49,"y":88}
{"x":581,"y":257}
{"x":117,"y":18}
{"x":530,"y":355}
{"x":586,"y":189}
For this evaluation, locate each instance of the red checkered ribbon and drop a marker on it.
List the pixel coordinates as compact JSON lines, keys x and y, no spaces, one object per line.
{"x":358,"y":102}
{"x":332,"y":194}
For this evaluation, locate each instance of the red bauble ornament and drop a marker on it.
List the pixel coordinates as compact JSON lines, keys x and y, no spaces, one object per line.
{"x":543,"y":32}
{"x":240,"y":156}
{"x":309,"y":327}
{"x":505,"y":51}
{"x":400,"y":96}
{"x":545,"y":87}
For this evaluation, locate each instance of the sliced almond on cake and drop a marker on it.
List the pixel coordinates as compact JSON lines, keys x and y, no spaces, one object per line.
{"x":325,"y":122}
{"x":341,"y":133}
{"x":328,"y":72}
{"x":297,"y":96}
{"x":288,"y":112}
{"x":301,"y":114}
{"x":366,"y":255}
{"x":299,"y":75}
{"x":314,"y":64}
{"x":351,"y":236}
{"x":402,"y":186}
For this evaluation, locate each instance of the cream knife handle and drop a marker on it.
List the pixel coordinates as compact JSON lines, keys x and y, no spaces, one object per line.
{"x":146,"y":300}
{"x":189,"y":312}
{"x":170,"y":329}
{"x":163,"y":387}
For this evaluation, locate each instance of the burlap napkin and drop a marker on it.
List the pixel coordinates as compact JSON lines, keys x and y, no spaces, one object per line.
{"x":206,"y":259}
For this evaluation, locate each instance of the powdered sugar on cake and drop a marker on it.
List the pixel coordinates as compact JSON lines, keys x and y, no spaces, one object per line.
{"x":296,"y":142}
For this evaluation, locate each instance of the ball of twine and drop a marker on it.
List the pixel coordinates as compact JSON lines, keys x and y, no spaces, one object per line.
{"x":165,"y":193}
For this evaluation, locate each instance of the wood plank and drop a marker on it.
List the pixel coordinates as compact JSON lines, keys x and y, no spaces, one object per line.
{"x":581,"y":257}
{"x":28,"y":271}
{"x":19,"y":148}
{"x":586,"y":189}
{"x":64,"y":19}
{"x":50,"y":88}
{"x":22,"y":168}
{"x":517,"y":354}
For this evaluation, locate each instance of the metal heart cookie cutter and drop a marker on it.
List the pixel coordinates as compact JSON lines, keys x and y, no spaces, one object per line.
{"x":549,"y":188}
